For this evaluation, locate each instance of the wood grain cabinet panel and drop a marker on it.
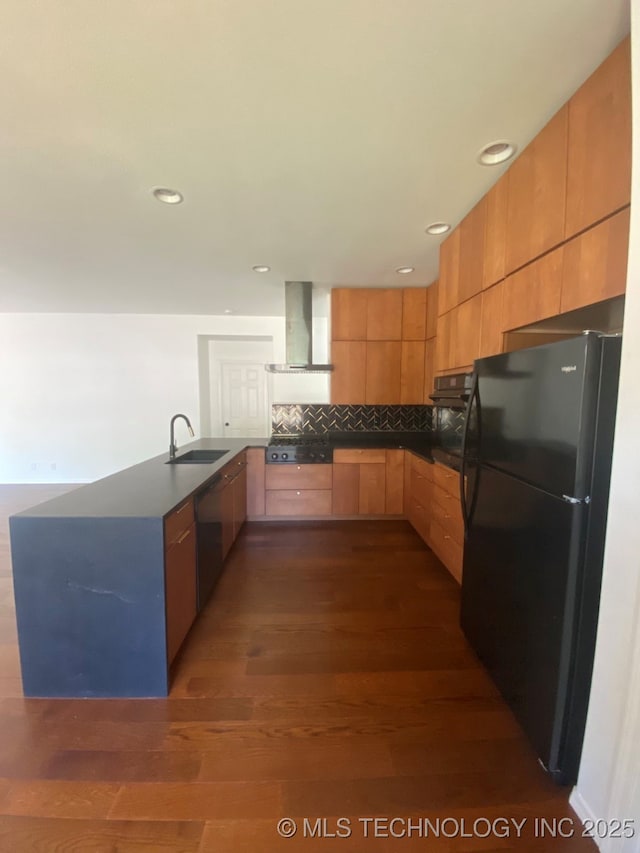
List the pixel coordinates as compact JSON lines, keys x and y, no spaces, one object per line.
{"x":449,"y":273}
{"x":599,"y":157}
{"x":533,"y":293}
{"x":346,"y":489}
{"x":471,"y":252}
{"x":394,"y":482}
{"x":371,"y":497}
{"x":239,"y":500}
{"x":432,"y":310}
{"x":383,"y":366}
{"x":255,"y":482}
{"x":536,"y":194}
{"x":595,"y":263}
{"x":443,"y":356}
{"x":495,"y":233}
{"x":466,"y":331}
{"x":298,"y":502}
{"x":298,"y":477}
{"x":447,"y":479}
{"x":414,"y":313}
{"x":429,"y":368}
{"x":178,"y":521}
{"x":412,"y":372}
{"x":349,"y":313}
{"x":349,"y":375}
{"x":491,"y":322}
{"x":384,"y":314}
{"x":359,"y":455}
{"x":448,"y":550}
{"x":180,"y":589}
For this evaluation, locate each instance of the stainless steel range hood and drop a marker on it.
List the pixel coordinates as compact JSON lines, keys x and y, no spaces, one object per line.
{"x":298,"y":309}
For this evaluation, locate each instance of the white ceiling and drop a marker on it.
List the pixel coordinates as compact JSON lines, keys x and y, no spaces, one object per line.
{"x":317,"y":136}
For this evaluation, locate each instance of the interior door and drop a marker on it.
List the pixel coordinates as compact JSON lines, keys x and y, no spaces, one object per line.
{"x":244,"y":399}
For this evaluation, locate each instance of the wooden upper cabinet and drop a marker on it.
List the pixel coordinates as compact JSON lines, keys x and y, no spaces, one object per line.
{"x":429,"y":367}
{"x":383,"y":360}
{"x":491,"y":321}
{"x":495,"y":233}
{"x":471,"y":252}
{"x":412,"y":372}
{"x":349,"y":313}
{"x":466,"y":333}
{"x":432,"y":310}
{"x":414,"y":313}
{"x":599,"y":158}
{"x":348,"y":379}
{"x":449,"y":273}
{"x":533,"y":293}
{"x":536,"y":194}
{"x":595,"y":263}
{"x":443,"y":356}
{"x":384,"y":314}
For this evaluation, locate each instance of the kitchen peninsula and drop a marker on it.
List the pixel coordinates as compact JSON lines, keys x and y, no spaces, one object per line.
{"x":105,"y":576}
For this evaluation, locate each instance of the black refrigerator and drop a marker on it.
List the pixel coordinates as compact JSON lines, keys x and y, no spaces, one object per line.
{"x":534,"y":484}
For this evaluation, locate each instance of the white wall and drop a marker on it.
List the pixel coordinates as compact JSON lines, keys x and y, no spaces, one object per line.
{"x":84,"y":395}
{"x":608,"y":782}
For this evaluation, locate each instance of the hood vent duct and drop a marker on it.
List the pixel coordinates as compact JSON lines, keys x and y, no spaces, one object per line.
{"x":298,"y":309}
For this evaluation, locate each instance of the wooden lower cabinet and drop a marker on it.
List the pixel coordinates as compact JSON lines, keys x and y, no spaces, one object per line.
{"x":446,"y":529}
{"x":298,"y":490}
{"x":180,"y":588}
{"x":359,"y":482}
{"x":255,"y":482}
{"x":298,"y":502}
{"x":418,"y":503}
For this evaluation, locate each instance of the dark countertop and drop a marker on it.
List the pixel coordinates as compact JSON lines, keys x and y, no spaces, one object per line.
{"x":150,"y":489}
{"x":418,"y":442}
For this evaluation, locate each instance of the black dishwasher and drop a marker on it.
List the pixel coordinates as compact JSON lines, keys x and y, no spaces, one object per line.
{"x":209,"y":520}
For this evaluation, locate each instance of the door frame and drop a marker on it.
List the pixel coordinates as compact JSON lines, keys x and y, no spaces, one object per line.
{"x":207,"y":428}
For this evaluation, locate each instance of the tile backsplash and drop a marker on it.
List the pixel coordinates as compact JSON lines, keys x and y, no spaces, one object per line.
{"x":295,"y":418}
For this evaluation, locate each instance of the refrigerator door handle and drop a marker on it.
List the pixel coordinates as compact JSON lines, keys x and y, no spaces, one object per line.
{"x":465,"y":435}
{"x":571,"y":500}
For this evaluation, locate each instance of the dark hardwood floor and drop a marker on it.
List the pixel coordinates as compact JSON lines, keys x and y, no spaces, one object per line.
{"x":327,"y":678}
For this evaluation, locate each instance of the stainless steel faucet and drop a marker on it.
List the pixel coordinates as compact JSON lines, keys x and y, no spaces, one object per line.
{"x":172,"y":441}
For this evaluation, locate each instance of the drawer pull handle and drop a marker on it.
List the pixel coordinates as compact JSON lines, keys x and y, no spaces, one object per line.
{"x":184,"y":536}
{"x":446,"y":536}
{"x":297,"y":493}
{"x":184,"y":506}
{"x":298,"y":467}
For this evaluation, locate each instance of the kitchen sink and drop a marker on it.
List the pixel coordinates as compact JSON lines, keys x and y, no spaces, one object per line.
{"x":198,"y":457}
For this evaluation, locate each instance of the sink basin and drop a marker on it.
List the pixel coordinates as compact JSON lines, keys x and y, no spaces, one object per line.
{"x":198,"y":457}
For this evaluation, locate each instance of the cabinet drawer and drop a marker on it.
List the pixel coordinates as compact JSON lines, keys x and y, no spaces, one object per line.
{"x":299,"y":502}
{"x":357,"y":456}
{"x":178,"y":521}
{"x":448,"y":515}
{"x":422,"y":468}
{"x":419,"y":519}
{"x":447,"y":479}
{"x":420,"y":488}
{"x":298,"y":477}
{"x":447,"y":549}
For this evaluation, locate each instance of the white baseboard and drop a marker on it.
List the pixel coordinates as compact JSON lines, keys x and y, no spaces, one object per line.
{"x":584,"y":811}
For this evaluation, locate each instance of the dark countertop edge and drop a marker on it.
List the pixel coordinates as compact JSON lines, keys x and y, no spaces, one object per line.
{"x":151,"y":489}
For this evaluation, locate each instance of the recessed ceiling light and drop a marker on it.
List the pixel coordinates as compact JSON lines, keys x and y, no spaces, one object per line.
{"x":228,"y":311}
{"x":167,"y":196}
{"x":261,"y":268}
{"x":496,"y":152}
{"x":405,"y":270}
{"x":438,"y":228}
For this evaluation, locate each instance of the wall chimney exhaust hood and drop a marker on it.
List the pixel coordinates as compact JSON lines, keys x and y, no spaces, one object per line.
{"x":298,"y":332}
